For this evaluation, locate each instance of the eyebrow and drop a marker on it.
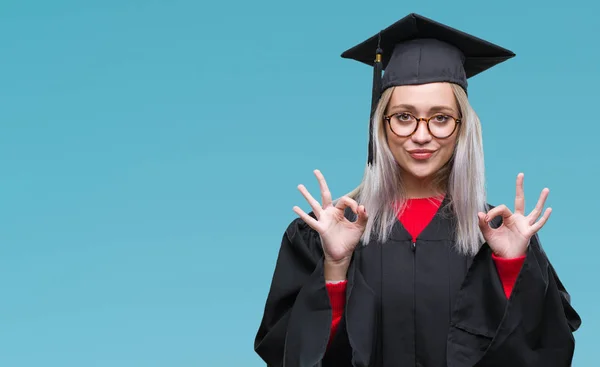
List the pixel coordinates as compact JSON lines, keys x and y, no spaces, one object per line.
{"x":433,"y":109}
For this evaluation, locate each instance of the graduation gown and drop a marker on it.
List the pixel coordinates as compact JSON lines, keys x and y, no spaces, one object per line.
{"x":415,"y":304}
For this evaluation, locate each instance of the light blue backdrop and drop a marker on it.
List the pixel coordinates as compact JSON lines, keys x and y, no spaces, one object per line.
{"x":150,"y":152}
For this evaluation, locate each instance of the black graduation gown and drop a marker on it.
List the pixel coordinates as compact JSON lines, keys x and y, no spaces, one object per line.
{"x":420,"y":304}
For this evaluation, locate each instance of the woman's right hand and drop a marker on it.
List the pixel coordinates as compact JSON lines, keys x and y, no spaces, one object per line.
{"x":339,"y":236}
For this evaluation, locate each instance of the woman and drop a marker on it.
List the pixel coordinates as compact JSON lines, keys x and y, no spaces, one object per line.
{"x":413,"y":268}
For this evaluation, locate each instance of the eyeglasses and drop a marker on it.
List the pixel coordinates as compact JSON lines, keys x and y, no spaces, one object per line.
{"x":405,"y":124}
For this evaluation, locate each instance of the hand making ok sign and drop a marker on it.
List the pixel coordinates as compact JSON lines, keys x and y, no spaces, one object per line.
{"x":511,"y":239}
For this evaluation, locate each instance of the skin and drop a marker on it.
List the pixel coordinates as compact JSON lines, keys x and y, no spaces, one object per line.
{"x":421,"y":101}
{"x":339,"y":236}
{"x":511,"y":239}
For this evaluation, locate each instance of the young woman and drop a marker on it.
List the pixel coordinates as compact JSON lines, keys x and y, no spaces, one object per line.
{"x":413,"y":268}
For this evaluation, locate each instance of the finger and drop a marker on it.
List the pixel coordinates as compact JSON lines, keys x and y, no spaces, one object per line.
{"x":311,"y":201}
{"x":537,"y":211}
{"x":537,"y":226}
{"x":483,"y":224}
{"x":312,"y":222}
{"x":325,"y":193}
{"x":362,"y":216}
{"x":520,"y":196}
{"x":501,"y":210}
{"x":346,"y":201}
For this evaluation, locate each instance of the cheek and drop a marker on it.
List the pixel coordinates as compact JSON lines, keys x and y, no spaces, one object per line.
{"x":446,"y":150}
{"x":396,"y":145}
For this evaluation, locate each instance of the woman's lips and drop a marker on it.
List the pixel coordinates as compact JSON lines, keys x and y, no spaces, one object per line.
{"x":421,"y":154}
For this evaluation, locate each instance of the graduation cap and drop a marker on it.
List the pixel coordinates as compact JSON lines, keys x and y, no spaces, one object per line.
{"x":418,"y":50}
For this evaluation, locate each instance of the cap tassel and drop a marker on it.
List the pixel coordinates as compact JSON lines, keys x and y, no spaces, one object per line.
{"x":376,"y":94}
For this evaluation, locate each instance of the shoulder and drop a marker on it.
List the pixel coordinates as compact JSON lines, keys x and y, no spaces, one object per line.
{"x":300,"y":237}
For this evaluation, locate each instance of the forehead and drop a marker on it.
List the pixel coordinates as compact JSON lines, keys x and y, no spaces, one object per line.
{"x":424,"y":97}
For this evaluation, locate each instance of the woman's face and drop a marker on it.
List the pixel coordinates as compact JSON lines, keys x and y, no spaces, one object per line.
{"x":422,"y":154}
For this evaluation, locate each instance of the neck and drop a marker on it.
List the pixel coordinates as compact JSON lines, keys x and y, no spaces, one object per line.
{"x":415,"y":187}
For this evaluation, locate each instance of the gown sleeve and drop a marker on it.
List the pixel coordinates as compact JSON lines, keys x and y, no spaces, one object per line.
{"x":534,"y":327}
{"x":296,"y":325}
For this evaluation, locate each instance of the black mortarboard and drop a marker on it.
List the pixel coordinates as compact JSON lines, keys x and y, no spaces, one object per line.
{"x":418,"y":50}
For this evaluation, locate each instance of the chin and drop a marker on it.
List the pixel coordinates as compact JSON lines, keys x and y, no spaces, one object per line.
{"x":423,"y":170}
{"x":421,"y":174}
{"x":420,"y":169}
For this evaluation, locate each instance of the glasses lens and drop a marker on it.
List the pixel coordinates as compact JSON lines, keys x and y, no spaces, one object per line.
{"x":403,"y":124}
{"x":441,"y":125}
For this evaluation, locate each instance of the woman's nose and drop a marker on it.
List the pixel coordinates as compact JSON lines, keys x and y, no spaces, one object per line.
{"x":422,"y":134}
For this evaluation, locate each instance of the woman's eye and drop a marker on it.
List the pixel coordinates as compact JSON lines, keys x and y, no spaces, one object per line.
{"x":441,"y":118}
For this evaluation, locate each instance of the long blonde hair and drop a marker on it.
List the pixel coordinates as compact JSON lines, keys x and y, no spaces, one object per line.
{"x":462,"y":178}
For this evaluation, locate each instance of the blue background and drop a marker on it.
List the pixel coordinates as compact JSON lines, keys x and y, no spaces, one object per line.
{"x":150,"y":152}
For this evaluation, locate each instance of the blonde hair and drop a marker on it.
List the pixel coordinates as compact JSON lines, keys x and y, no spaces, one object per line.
{"x":462,"y":178}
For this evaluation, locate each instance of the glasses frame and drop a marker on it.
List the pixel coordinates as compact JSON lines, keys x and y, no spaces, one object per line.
{"x":388,"y":118}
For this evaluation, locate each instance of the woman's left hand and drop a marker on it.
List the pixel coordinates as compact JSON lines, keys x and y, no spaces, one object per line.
{"x":511,"y":239}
